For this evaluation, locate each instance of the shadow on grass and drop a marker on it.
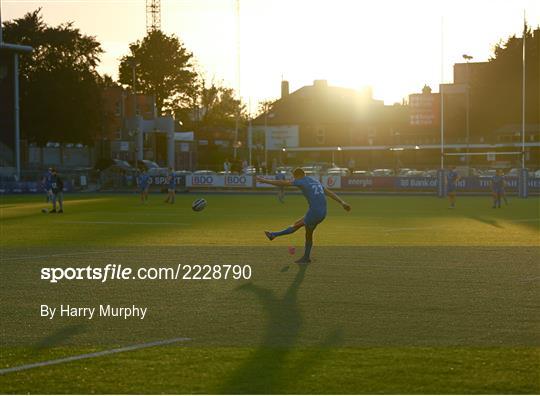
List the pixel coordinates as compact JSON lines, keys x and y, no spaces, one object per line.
{"x":59,"y":337}
{"x":265,"y":370}
{"x":490,"y":222}
{"x":530,"y":224}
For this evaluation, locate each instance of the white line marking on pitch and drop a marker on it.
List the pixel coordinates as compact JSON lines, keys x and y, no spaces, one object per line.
{"x":411,"y":228}
{"x":62,"y":254}
{"x":121,"y":223}
{"x":92,"y":355}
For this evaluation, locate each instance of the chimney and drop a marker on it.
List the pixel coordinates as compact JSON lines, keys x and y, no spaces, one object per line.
{"x":320,"y":84}
{"x":284,"y":89}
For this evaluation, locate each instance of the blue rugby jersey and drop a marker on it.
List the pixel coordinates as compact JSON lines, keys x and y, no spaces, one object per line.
{"x":313,"y":190}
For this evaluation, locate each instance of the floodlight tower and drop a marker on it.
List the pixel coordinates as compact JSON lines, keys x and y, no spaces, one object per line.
{"x":153,"y":15}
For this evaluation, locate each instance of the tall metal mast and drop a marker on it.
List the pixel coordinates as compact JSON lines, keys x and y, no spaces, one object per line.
{"x":153,"y":15}
{"x":238,"y":71}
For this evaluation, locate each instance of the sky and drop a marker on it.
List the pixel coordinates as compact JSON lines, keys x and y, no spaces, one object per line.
{"x":392,"y":46}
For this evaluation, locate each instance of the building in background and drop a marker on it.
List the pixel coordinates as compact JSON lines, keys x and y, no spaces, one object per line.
{"x":132,"y":130}
{"x":310,"y":123}
{"x":340,"y":126}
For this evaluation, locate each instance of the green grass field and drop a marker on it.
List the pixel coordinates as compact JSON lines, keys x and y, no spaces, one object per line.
{"x":403,"y":296}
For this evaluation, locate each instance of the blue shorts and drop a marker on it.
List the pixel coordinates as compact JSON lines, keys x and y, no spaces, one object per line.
{"x":143,"y":188}
{"x":451,"y":188}
{"x":314,"y":217}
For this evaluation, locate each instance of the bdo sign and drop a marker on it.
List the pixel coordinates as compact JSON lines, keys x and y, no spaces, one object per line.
{"x":238,"y":181}
{"x":206,"y":181}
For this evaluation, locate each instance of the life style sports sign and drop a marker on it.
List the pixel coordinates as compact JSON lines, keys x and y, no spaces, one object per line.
{"x":162,"y":180}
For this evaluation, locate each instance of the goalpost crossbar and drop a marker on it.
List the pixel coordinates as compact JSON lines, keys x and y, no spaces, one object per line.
{"x":488,"y":153}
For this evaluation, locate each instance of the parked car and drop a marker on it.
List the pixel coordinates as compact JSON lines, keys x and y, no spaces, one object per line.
{"x":182,"y":173}
{"x":383,"y":172}
{"x":115,"y":165}
{"x":362,"y":173}
{"x":489,"y":173}
{"x":115,"y":173}
{"x":144,"y":164}
{"x":404,"y":171}
{"x":415,"y":173}
{"x":204,"y":172}
{"x":316,"y":168}
{"x":287,"y":170}
{"x":311,"y":171}
{"x":514,"y":172}
{"x":151,"y":167}
{"x":123,"y":165}
{"x":250,"y":170}
{"x":157,"y":172}
{"x":474,"y":172}
{"x":462,"y":171}
{"x":338,"y":172}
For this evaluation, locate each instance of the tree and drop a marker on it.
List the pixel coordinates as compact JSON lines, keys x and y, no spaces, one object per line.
{"x":265,"y":106}
{"x":220,"y":108}
{"x":60,"y":94}
{"x":496,"y":94}
{"x":212,"y":114}
{"x":163,"y":68}
{"x":213,"y":107}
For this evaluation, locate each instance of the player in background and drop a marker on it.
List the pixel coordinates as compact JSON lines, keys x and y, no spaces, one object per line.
{"x":281,"y":189}
{"x":315,"y":194}
{"x":452,"y":179}
{"x":142,"y":182}
{"x":503,"y":191}
{"x":57,"y":188}
{"x":171,"y":186}
{"x":497,"y":187}
{"x":46,"y":181}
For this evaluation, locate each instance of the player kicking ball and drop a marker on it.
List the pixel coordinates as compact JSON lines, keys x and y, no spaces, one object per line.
{"x":315,"y":194}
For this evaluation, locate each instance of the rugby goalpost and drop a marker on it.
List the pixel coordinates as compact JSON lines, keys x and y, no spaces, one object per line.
{"x":523,"y":173}
{"x":522,"y":176}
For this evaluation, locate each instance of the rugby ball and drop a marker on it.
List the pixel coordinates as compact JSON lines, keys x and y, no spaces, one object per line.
{"x":44,"y":210}
{"x":199,"y":204}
